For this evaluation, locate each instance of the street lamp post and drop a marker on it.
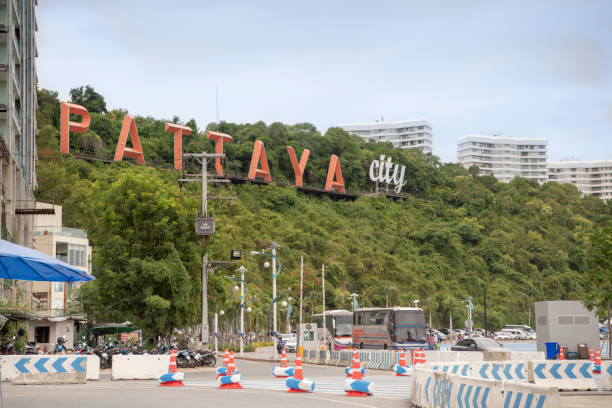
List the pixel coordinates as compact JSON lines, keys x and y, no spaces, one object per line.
{"x":273,"y":246}
{"x":242,"y":270}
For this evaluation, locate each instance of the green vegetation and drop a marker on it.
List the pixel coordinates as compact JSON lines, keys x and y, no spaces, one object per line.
{"x":457,"y":232}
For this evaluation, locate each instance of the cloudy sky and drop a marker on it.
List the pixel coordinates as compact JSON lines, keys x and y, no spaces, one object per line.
{"x":514,"y":68}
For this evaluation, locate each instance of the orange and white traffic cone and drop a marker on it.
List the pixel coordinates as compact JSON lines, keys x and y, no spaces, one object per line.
{"x":232,"y":379}
{"x":298,"y":383}
{"x":591,"y":355}
{"x":561,"y":354}
{"x":356,"y":386}
{"x":221,"y":371}
{"x":283,"y":362}
{"x":173,"y":378}
{"x":401,"y":369}
{"x":597,"y":366}
{"x":423,"y":356}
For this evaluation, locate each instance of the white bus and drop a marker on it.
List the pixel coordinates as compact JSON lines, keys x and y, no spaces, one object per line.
{"x":389,"y":328}
{"x":338,"y":325}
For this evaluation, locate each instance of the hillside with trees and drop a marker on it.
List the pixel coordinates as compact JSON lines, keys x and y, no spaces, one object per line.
{"x":453,"y":234}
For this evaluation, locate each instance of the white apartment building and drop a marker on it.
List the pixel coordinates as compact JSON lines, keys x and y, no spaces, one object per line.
{"x":504,"y":157}
{"x":66,"y":244}
{"x":590,"y":177}
{"x":405,"y":134}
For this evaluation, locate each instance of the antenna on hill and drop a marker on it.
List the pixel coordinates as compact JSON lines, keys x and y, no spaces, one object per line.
{"x":217,"y":103}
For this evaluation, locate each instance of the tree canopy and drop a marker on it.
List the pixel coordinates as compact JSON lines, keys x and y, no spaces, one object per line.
{"x":455,"y":233}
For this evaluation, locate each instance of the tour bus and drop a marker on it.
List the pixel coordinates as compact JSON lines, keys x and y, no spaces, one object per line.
{"x":389,"y":328}
{"x":338,"y":327}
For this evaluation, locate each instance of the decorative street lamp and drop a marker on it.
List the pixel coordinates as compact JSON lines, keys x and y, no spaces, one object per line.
{"x":273,"y":247}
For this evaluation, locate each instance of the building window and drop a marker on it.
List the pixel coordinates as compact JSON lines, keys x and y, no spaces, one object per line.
{"x":40,"y":300}
{"x":61,"y":251}
{"x":58,"y":286}
{"x":41,"y":334}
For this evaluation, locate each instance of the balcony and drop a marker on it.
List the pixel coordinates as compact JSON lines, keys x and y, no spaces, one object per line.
{"x":60,"y":231}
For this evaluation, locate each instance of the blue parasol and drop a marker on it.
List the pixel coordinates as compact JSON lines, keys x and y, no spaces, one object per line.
{"x":21,"y":263}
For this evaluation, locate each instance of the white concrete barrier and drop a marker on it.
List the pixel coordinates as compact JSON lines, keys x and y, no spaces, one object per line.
{"x":527,"y":355}
{"x":440,"y":356}
{"x":440,"y":389}
{"x":469,"y":356}
{"x":567,"y":375}
{"x":139,"y":367}
{"x":606,"y":375}
{"x":14,"y":365}
{"x":518,"y":395}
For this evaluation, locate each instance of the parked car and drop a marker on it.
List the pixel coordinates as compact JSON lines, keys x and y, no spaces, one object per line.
{"x":437,"y":332}
{"x":290,"y":342}
{"x":445,"y":331}
{"x":478,"y":344}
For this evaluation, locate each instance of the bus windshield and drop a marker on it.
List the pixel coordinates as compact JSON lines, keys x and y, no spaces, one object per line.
{"x":409,"y":326}
{"x":344,"y":325}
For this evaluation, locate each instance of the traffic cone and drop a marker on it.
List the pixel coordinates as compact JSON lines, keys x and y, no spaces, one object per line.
{"x":298,"y":378}
{"x":356,"y":387}
{"x":173,"y":378}
{"x":597,"y":366}
{"x":348,"y":371}
{"x":561,"y":355}
{"x":591,"y":355}
{"x":231,"y":372}
{"x":423,"y":356}
{"x":283,"y":362}
{"x":402,"y":363}
{"x":221,"y":371}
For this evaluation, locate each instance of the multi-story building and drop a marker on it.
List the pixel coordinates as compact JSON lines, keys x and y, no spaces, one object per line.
{"x":590,"y":177}
{"x":504,"y":157}
{"x":405,"y":134}
{"x":18,"y":127}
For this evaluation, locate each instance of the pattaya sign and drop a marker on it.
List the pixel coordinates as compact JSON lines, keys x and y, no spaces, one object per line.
{"x":334,"y":173}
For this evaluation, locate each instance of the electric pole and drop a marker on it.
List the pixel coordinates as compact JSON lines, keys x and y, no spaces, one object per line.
{"x":204,"y":226}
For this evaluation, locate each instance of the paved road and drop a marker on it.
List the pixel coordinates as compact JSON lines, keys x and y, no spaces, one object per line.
{"x":201,"y":390}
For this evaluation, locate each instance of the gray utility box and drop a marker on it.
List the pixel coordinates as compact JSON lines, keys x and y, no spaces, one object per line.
{"x":565,"y":322}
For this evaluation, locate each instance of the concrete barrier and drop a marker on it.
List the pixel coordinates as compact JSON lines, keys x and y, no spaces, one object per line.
{"x":527,"y":355}
{"x":139,"y":367}
{"x":439,"y":389}
{"x":496,"y":355}
{"x":469,"y":356}
{"x":519,"y":395}
{"x":14,"y":365}
{"x":440,"y":356}
{"x":606,"y":375}
{"x":51,"y":378}
{"x":567,"y":375}
{"x":502,"y":370}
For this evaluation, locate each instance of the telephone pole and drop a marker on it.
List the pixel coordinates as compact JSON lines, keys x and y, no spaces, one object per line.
{"x":204,"y":226}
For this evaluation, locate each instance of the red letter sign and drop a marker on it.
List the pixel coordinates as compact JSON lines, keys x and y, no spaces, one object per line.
{"x":179,"y":131}
{"x":129,"y":127}
{"x":334,"y":170}
{"x":66,"y":125}
{"x":259,"y":152}
{"x":219,"y":139}
{"x":298,"y":169}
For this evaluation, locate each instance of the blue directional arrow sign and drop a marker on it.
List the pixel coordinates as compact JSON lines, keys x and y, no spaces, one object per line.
{"x":57,"y":364}
{"x":448,"y":394}
{"x":529,"y":400}
{"x":485,"y":394}
{"x":584,"y":370}
{"x":464,"y":370}
{"x":476,"y":393}
{"x":508,"y":399}
{"x":467,"y":395}
{"x":609,"y":370}
{"x":538,"y":370}
{"x":554,"y":370}
{"x":40,"y":365}
{"x":20,"y":365}
{"x":77,"y":364}
{"x":495,"y":370}
{"x":519,"y":371}
{"x":483,"y":371}
{"x":459,"y":393}
{"x":569,"y":370}
{"x":507,"y":371}
{"x":427,"y":389}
